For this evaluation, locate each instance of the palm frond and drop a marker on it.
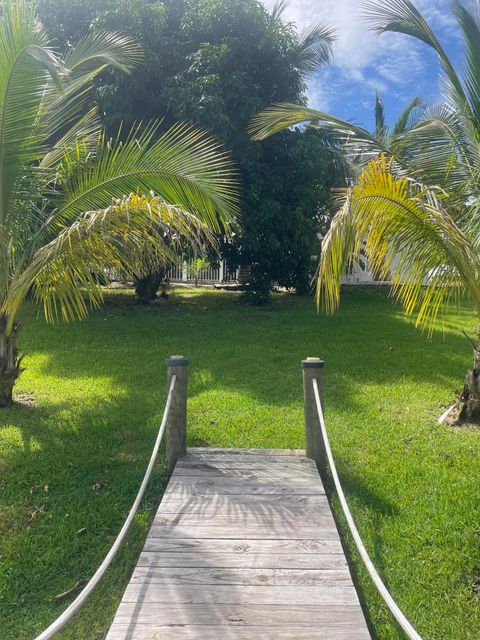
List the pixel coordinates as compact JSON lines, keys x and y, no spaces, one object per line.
{"x":285,"y":115}
{"x":380,"y":124}
{"x":278,"y":10}
{"x":408,"y":116}
{"x":315,"y":47}
{"x":78,"y":142}
{"x":132,"y":236}
{"x":183,"y":166}
{"x":471,"y":32}
{"x":94,"y":53}
{"x":341,"y":249}
{"x":358,"y":144}
{"x":438,"y":150}
{"x":410,"y":236}
{"x":26,"y":64}
{"x":401,"y":16}
{"x":100,"y":49}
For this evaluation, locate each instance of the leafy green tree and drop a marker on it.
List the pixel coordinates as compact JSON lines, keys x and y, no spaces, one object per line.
{"x":419,"y":210}
{"x":288,"y":208}
{"x":216,"y":63}
{"x":72,"y":202}
{"x":263,"y":59}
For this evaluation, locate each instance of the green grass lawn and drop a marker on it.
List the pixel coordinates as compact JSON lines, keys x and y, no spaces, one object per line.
{"x":99,"y":389}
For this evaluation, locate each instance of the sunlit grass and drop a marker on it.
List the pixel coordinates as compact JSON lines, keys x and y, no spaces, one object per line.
{"x":99,"y":389}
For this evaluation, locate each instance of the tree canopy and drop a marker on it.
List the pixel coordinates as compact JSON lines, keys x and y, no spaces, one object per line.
{"x":216,"y":63}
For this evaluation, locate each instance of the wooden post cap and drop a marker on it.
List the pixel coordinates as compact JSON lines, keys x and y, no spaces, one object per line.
{"x":312,"y":363}
{"x":176,"y":361}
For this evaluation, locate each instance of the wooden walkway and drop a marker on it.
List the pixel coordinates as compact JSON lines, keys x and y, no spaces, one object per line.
{"x":243,"y":546}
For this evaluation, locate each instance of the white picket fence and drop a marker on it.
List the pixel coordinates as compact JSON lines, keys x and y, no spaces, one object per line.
{"x":209,"y":275}
{"x":181,"y":273}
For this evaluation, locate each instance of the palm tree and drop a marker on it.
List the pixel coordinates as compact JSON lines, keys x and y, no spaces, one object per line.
{"x":416,"y":197}
{"x":313,"y":44}
{"x":73,"y":203}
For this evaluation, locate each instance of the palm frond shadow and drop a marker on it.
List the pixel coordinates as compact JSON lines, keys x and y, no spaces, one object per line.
{"x":235,"y":355}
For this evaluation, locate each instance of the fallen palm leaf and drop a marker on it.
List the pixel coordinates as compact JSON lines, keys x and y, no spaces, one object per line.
{"x":78,"y":585}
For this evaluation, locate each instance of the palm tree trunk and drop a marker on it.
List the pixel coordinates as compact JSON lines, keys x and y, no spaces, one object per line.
{"x":470,"y":396}
{"x":10,"y":363}
{"x":147,"y":288}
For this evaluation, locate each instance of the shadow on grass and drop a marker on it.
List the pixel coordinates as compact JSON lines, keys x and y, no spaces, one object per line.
{"x":379,"y":509}
{"x":100,"y":426}
{"x":254,"y":350}
{"x":72,"y":477}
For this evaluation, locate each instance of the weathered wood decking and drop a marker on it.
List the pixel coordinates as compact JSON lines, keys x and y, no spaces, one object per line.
{"x":243,"y":546}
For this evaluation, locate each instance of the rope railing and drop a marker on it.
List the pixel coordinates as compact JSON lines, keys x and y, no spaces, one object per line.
{"x":80,"y":600}
{"x":379,"y":584}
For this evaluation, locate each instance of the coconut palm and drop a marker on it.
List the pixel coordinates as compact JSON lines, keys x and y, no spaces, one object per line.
{"x":72,"y":203}
{"x":416,"y":198}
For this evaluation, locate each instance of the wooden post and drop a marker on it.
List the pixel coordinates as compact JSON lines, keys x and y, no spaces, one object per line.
{"x":177,"y":421}
{"x":315,"y":449}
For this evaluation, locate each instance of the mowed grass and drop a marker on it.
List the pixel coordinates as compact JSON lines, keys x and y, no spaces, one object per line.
{"x":71,"y":465}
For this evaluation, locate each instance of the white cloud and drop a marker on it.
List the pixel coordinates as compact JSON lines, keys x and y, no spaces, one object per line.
{"x":387,"y":63}
{"x":318,"y":97}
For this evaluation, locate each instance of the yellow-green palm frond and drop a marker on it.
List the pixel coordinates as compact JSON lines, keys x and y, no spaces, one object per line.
{"x":341,"y":249}
{"x":100,"y":49}
{"x":184,"y":166}
{"x":408,"y":235}
{"x":132,"y":236}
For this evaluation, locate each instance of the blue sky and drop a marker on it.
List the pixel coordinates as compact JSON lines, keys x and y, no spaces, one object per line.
{"x":399,"y":67}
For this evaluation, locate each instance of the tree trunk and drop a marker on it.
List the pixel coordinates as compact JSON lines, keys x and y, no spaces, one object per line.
{"x":244,"y":275}
{"x":10,"y":363}
{"x":470,"y":396}
{"x":147,"y":288}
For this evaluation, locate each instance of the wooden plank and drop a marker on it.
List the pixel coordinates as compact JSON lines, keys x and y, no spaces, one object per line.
{"x":321,"y":595}
{"x":217,"y":452}
{"x":296,"y":532}
{"x":240,"y":615}
{"x":135,"y":631}
{"x":246,"y":476}
{"x":242,"y":548}
{"x":239,"y":462}
{"x":255,"y":503}
{"x":230,"y":486}
{"x":272,"y":460}
{"x":327,"y":571}
{"x":246,"y":561}
{"x":259,"y":479}
{"x":188,"y":513}
{"x":248,"y":473}
{"x":239,"y":516}
{"x":277,"y":521}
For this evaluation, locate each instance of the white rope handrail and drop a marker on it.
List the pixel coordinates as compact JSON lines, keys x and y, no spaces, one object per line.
{"x":72,"y":609}
{"x":382,"y":589}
